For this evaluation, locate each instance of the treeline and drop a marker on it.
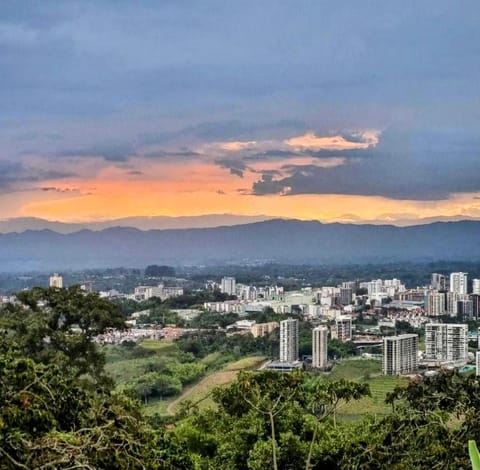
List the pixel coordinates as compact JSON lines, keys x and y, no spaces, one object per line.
{"x":297,"y":276}
{"x":189,"y":299}
{"x":206,"y":342}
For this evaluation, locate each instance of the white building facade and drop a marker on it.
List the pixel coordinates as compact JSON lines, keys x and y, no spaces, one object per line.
{"x":289,"y":340}
{"x":56,"y":281}
{"x":228,"y":286}
{"x":400,"y":354}
{"x":320,"y":347}
{"x":446,"y":342}
{"x":458,"y":282}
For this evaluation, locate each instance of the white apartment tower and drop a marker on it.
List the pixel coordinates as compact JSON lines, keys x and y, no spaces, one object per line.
{"x":319,"y":347}
{"x":228,"y":286}
{"x":56,"y":281}
{"x":458,"y":283}
{"x":400,"y":354}
{"x":289,"y":340}
{"x":343,"y":328}
{"x":446,"y":342}
{"x":476,"y":286}
{"x":438,"y":281}
{"x":435,"y":304}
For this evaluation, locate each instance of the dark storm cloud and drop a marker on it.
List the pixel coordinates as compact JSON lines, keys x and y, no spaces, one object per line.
{"x":121,"y":153}
{"x":15,"y":176}
{"x":177,"y":73}
{"x":108,"y":56}
{"x":170,"y":154}
{"x":423,"y":165}
{"x":227,"y":130}
{"x":54,"y":189}
{"x":112,"y":152}
{"x":235,"y":166}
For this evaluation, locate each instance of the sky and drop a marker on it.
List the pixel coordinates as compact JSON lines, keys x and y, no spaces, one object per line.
{"x":337,"y":111}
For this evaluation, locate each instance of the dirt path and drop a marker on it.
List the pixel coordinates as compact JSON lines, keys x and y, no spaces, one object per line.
{"x":202,"y":389}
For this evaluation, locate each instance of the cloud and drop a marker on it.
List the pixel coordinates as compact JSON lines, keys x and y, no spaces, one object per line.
{"x":19,"y":176}
{"x":282,"y":157}
{"x":423,"y":165}
{"x":309,"y":141}
{"x":57,"y":189}
{"x":119,"y":152}
{"x":235,"y":166}
{"x":236,"y":146}
{"x":171,"y":83}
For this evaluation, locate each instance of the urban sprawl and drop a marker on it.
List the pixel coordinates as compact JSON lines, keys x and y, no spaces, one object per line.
{"x":364,"y":313}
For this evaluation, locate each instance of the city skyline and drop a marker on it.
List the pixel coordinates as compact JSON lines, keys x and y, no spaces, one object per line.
{"x":330,"y":112}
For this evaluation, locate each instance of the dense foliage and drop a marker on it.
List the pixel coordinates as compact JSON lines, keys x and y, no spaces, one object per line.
{"x":147,"y":374}
{"x":159,"y":271}
{"x":270,"y":421}
{"x":58,"y":326}
{"x":205,"y":342}
{"x":57,"y":410}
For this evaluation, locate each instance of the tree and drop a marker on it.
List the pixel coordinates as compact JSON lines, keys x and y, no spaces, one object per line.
{"x":339,"y":349}
{"x":159,"y":271}
{"x":49,"y":419}
{"x":59,"y":325}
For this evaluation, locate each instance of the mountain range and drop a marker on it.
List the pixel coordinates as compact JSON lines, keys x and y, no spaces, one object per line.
{"x":286,"y":241}
{"x":21,"y":224}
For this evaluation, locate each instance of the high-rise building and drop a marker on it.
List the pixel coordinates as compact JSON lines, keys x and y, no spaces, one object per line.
{"x":476,"y":305}
{"x":319,"y":347}
{"x":476,"y":286}
{"x":288,"y":340}
{"x":465,"y":309}
{"x":435,"y":304}
{"x":374,"y":287}
{"x":477,"y":363}
{"x":458,"y":283}
{"x":400,"y":354}
{"x":446,"y":342}
{"x":56,"y":281}
{"x":453,"y":302}
{"x":228,"y":286}
{"x":345,"y":295}
{"x":438,"y":281}
{"x":343,"y":328}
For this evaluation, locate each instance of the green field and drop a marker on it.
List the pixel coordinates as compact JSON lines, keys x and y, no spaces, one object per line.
{"x":200,"y":392}
{"x":356,"y":369}
{"x":158,"y":345}
{"x":366,"y":371}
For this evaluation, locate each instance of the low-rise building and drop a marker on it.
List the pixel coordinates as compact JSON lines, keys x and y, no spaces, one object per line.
{"x":263,"y":329}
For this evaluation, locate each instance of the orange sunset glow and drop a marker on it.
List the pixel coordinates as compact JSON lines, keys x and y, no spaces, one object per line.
{"x":284,"y":121}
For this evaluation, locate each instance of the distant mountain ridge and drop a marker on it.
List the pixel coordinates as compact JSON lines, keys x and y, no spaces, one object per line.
{"x":287,"y":241}
{"x":21,"y":224}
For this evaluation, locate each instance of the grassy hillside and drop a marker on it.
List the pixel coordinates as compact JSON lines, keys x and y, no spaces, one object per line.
{"x":200,"y":393}
{"x":160,"y":374}
{"x":366,"y":371}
